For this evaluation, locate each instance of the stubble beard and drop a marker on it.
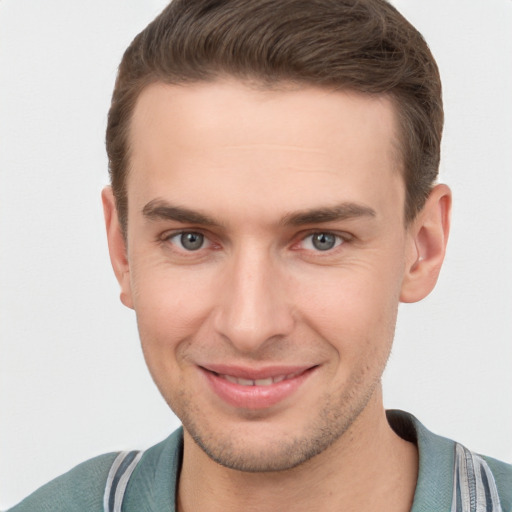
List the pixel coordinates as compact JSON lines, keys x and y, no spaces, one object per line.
{"x":236,"y":452}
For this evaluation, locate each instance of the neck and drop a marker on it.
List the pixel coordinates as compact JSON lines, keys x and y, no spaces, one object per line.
{"x":368,"y":468}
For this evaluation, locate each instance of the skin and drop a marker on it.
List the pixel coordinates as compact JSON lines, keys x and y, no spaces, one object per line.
{"x":257,"y":174}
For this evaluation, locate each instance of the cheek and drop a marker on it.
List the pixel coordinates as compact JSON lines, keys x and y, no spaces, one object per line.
{"x":171,"y":308}
{"x":171,"y":304}
{"x":355,"y":307}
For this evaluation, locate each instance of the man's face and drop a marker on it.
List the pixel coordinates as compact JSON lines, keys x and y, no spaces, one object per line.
{"x":266,"y":253}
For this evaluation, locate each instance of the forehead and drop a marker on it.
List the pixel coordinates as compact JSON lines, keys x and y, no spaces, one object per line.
{"x":279,"y":144}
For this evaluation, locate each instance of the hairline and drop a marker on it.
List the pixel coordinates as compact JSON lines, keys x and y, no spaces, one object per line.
{"x":261,"y":84}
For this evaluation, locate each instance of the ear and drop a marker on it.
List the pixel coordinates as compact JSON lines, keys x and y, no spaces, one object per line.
{"x":428,"y":235}
{"x":117,"y":246}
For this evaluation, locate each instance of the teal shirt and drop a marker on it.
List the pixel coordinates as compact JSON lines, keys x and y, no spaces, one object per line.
{"x":152,"y":486}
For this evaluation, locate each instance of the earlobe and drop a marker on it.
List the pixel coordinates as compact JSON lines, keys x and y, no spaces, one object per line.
{"x":428,"y":235}
{"x":117,"y":246}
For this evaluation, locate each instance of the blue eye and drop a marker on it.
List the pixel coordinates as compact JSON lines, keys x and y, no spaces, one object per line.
{"x":189,"y":240}
{"x":322,"y":241}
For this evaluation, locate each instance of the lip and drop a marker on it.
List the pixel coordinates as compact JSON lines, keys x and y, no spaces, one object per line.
{"x":255,"y":396}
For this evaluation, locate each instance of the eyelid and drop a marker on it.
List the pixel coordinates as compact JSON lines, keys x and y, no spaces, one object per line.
{"x":169,"y":233}
{"x":204,"y":241}
{"x":209,"y":239}
{"x":342,"y":237}
{"x":167,"y":237}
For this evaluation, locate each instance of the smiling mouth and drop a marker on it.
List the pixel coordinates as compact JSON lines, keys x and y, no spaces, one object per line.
{"x":255,"y":389}
{"x":268,"y":381}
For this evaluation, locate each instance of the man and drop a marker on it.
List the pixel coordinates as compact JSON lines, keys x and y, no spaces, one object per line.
{"x":273,"y":199}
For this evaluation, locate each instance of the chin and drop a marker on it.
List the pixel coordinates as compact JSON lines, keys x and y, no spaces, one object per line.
{"x":259,"y":446}
{"x":261,"y":457}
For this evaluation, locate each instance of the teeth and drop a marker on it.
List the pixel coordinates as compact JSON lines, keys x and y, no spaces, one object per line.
{"x":263,"y":382}
{"x":245,"y":382}
{"x":259,"y":382}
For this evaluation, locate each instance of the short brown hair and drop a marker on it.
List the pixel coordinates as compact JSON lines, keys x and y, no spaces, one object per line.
{"x":360,"y":45}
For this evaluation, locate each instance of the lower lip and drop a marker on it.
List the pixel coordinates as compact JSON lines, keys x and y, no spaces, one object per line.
{"x":254,"y":397}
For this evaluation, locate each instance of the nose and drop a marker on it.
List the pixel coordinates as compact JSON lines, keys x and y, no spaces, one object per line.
{"x":252,"y":304}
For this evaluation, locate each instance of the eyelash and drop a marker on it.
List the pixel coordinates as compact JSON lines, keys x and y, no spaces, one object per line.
{"x":169,"y":237}
{"x":340,"y":239}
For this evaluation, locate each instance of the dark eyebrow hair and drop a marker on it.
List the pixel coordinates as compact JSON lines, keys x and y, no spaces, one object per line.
{"x":318,"y":215}
{"x":158,"y":209}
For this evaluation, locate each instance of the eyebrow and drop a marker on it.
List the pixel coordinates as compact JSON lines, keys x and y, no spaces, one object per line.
{"x":158,"y":209}
{"x":343,"y":211}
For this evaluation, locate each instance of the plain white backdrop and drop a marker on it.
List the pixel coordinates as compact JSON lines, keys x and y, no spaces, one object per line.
{"x":73,"y":383}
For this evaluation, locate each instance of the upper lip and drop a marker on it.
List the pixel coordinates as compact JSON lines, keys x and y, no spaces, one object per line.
{"x":243,"y":372}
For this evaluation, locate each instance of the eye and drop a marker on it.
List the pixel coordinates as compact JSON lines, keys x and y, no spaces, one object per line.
{"x":188,"y":240}
{"x":321,"y":241}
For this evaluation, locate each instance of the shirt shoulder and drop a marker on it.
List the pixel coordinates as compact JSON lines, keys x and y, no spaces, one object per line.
{"x":450,"y":476}
{"x":502,"y":473}
{"x":154,"y":477}
{"x":79,"y":489}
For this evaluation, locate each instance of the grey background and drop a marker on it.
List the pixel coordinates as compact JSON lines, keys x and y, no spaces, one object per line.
{"x":73,"y":383}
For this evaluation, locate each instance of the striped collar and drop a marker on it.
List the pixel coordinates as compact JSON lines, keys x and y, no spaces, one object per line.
{"x":450,"y":477}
